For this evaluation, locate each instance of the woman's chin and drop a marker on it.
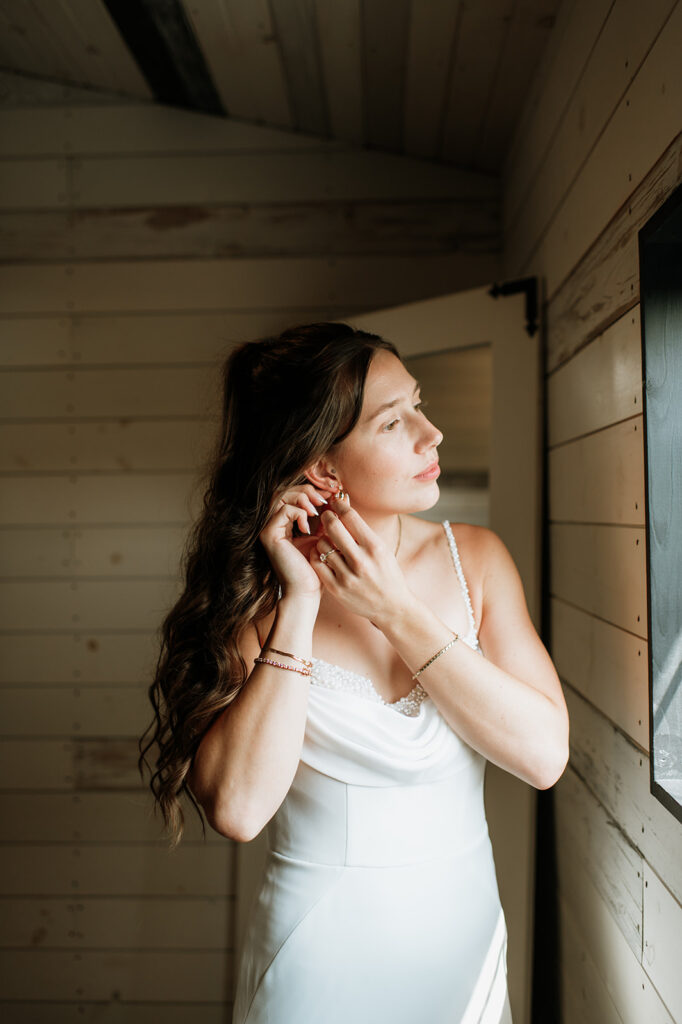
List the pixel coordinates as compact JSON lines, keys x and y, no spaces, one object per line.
{"x":425,"y":500}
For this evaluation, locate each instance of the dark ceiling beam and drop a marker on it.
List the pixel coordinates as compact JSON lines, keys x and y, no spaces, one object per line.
{"x":166,"y":50}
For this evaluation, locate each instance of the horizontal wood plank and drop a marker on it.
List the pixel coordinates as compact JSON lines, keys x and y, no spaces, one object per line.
{"x":120,"y":923}
{"x":229,"y":284}
{"x":130,"y":340}
{"x":108,"y":551}
{"x":162,"y":498}
{"x":112,"y":392}
{"x":599,"y":478}
{"x":37,"y":764}
{"x":42,"y":184}
{"x":85,"y":817}
{"x":600,"y":385}
{"x":82,"y":711}
{"x":107,"y":764}
{"x":89,"y":604}
{"x":113,"y":445}
{"x":54,"y":659}
{"x":116,"y":870}
{"x":66,"y":765}
{"x":601,"y":569}
{"x":113,"y":1012}
{"x":617,"y":772}
{"x":280,"y":177}
{"x":607,"y":665}
{"x":132,"y":128}
{"x":250,"y":230}
{"x":20,"y":93}
{"x":183,"y":977}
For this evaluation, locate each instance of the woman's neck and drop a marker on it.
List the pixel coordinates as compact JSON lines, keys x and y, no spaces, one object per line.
{"x":390,"y":527}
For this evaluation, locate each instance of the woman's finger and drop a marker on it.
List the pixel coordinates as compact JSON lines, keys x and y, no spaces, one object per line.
{"x":317,"y":494}
{"x":341,"y":537}
{"x":325,"y":570}
{"x":300,"y":496}
{"x":354,"y":526}
{"x":288,"y":514}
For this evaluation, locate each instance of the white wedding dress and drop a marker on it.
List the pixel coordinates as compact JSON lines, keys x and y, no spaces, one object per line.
{"x":379,"y":901}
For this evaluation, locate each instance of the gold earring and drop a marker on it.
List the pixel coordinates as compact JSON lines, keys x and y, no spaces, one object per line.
{"x":340,"y":494}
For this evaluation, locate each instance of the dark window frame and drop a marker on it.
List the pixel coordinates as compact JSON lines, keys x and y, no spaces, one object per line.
{"x":660,"y":266}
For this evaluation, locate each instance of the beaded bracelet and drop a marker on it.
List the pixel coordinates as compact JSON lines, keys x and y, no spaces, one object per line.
{"x":436,"y":655}
{"x":275,"y":650}
{"x":280,"y":664}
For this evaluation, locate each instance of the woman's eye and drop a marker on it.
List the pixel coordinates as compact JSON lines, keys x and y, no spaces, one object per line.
{"x":389,"y":426}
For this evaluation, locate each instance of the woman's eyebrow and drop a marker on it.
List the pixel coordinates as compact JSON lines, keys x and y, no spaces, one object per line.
{"x":389,"y":405}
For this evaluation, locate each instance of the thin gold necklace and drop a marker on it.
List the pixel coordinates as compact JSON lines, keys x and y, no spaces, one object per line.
{"x":400,"y":534}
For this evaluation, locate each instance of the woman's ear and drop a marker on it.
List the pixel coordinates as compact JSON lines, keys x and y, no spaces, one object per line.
{"x":321,"y":474}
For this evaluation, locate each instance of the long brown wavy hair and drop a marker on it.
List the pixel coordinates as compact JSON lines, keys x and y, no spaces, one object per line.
{"x":287,"y":401}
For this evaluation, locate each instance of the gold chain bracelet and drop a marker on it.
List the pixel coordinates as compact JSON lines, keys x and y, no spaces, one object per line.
{"x":303,"y":661}
{"x":436,"y":655}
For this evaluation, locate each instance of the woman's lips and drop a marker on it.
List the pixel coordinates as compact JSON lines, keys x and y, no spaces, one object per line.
{"x":429,"y":474}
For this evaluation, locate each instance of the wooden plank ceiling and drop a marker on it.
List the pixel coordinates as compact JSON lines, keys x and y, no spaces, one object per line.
{"x":439,"y":80}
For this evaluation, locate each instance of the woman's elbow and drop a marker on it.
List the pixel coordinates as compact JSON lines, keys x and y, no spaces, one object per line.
{"x":224,"y":819}
{"x":552,"y":770}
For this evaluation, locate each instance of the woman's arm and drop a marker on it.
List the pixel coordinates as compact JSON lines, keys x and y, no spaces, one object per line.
{"x":508,"y":704}
{"x":246,"y":762}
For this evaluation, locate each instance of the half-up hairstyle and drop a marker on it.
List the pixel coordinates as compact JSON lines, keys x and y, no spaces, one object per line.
{"x":286,"y":402}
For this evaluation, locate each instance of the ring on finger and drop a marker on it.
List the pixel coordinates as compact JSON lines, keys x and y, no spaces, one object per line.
{"x":325,"y":554}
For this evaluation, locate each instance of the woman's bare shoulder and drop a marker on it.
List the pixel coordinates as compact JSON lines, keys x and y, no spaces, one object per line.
{"x":472,"y":541}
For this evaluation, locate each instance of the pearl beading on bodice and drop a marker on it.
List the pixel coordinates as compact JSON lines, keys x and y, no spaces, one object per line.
{"x":334,"y":677}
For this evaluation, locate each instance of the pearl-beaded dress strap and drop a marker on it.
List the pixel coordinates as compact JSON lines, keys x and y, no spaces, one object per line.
{"x":460,"y":576}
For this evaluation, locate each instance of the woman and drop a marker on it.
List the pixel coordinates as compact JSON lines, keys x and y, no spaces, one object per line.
{"x":330,"y":674}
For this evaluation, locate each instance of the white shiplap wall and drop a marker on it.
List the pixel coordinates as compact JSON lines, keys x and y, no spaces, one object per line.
{"x":139,"y":243}
{"x":597,"y":151}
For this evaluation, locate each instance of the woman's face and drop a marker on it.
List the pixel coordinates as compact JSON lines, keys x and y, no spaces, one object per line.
{"x":382,"y":462}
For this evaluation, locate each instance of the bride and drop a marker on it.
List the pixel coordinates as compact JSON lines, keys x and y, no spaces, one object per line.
{"x":339,"y":671}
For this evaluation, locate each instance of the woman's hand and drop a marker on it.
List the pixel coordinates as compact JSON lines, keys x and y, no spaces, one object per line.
{"x":363,"y":574}
{"x":289,"y":554}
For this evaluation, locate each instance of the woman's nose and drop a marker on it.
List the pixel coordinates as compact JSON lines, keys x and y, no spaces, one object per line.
{"x":432,"y":435}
